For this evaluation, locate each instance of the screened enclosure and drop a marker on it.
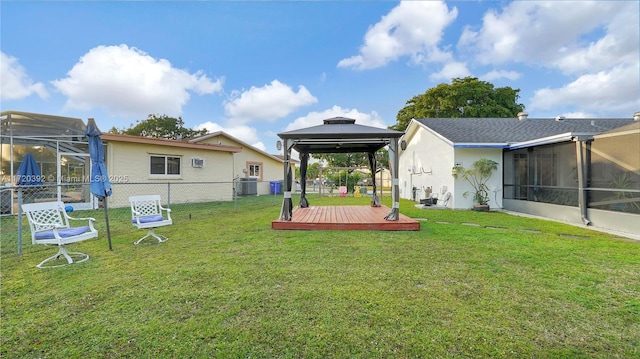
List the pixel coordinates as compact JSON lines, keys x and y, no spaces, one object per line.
{"x":62,"y":164}
{"x":549,"y":174}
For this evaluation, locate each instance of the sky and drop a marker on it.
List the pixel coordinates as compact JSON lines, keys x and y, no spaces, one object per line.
{"x":257,"y":68}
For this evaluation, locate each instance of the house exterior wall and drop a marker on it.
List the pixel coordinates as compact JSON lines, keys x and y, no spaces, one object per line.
{"x":465,"y":157}
{"x":426,"y":162}
{"x":615,"y":221}
{"x":128,"y":164}
{"x":271,"y":168}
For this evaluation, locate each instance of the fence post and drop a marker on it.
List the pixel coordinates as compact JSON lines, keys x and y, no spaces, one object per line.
{"x":168,"y":194}
{"x":19,"y":220}
{"x":234,"y":184}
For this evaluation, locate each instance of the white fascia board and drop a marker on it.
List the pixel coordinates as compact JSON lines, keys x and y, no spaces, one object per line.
{"x":480,"y":145}
{"x":563,"y":137}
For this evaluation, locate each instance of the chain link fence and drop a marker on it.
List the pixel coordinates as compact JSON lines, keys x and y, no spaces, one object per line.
{"x":204,"y":199}
{"x":182,"y":197}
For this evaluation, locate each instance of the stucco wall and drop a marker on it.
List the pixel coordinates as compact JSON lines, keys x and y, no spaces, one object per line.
{"x":466,"y":157}
{"x":128,"y":163}
{"x":426,"y":162}
{"x":272,"y":169}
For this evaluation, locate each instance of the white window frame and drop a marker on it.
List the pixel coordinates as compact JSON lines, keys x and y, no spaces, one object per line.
{"x":165,"y":175}
{"x":251,"y":170}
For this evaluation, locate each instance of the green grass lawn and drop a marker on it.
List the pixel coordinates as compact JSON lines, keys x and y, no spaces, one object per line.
{"x":468,"y":284}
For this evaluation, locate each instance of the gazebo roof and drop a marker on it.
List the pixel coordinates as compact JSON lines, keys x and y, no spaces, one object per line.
{"x":339,"y":135}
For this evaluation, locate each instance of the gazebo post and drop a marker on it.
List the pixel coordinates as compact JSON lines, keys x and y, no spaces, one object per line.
{"x":394,"y":215}
{"x":285,"y":213}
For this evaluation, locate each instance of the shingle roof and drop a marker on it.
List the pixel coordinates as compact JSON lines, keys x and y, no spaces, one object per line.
{"x":513,"y":130}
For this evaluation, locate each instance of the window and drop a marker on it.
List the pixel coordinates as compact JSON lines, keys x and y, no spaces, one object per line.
{"x":165,"y":165}
{"x":254,"y":170}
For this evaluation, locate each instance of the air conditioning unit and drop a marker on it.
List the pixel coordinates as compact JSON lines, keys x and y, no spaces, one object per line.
{"x":197,"y":162}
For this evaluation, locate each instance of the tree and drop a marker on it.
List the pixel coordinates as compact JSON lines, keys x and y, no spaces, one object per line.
{"x":464,"y":97}
{"x":355,"y":159}
{"x":161,"y":127}
{"x":313,"y":170}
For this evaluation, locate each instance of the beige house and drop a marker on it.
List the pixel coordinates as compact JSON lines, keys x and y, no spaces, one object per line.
{"x":254,"y":168}
{"x":136,"y":164}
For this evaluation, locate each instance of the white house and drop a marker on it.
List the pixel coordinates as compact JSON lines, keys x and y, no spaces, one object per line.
{"x":545,"y":166}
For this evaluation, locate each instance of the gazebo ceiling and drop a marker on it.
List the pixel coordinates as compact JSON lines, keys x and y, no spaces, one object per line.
{"x":339,"y":135}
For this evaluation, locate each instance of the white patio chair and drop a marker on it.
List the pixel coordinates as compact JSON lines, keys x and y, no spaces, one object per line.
{"x":50,"y":224}
{"x":147,"y":213}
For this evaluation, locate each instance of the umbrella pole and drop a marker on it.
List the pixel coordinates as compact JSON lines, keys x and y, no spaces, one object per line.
{"x":106,"y":216}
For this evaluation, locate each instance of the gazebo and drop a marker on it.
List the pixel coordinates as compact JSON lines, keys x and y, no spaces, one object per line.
{"x":339,"y":135}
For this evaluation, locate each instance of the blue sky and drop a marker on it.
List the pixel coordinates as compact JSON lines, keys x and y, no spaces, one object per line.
{"x":254,"y":69}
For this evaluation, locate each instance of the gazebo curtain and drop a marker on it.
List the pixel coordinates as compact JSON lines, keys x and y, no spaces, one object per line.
{"x":375,"y":201}
{"x":304,"y":159}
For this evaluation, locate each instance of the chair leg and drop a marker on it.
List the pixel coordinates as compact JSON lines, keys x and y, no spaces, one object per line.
{"x":151,"y":233}
{"x":69,"y":256}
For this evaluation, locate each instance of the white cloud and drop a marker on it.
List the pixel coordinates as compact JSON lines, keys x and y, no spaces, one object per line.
{"x":244,"y":133}
{"x":540,"y":31}
{"x":127,"y":81}
{"x":500,"y":74}
{"x":577,"y":114}
{"x":451,"y":70}
{"x":413,"y":28}
{"x":260,"y":145}
{"x":591,"y":46}
{"x":618,"y":45}
{"x":317,"y":118}
{"x":269,"y":103}
{"x":615,"y":91}
{"x":558,"y":34}
{"x":15,"y":83}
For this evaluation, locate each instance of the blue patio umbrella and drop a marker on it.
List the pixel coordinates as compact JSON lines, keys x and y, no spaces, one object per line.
{"x":28,"y":175}
{"x":100,"y":185}
{"x":29,"y":172}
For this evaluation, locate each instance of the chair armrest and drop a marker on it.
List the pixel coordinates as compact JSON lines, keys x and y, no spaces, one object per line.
{"x":168,"y":210}
{"x":82,"y":219}
{"x":89,"y":219}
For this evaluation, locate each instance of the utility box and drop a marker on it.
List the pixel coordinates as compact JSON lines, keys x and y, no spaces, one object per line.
{"x":248,"y":187}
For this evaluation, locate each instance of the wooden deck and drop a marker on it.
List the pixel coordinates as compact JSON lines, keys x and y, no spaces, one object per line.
{"x":345,"y":218}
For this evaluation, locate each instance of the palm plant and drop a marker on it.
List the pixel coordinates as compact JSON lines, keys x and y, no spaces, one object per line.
{"x":478,"y":175}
